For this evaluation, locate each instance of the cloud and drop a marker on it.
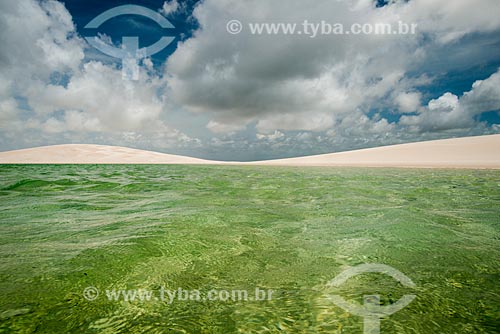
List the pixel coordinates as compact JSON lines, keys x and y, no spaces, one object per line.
{"x":172,"y":6}
{"x":47,"y":87}
{"x":217,"y":127}
{"x":293,"y":83}
{"x":102,"y":99}
{"x":484,"y":96}
{"x":271,"y":137}
{"x":37,"y":39}
{"x":452,"y":112}
{"x":408,"y":102}
{"x":297,"y":121}
{"x":449,"y":21}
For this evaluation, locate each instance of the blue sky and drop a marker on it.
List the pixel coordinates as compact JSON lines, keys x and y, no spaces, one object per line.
{"x":217,"y":95}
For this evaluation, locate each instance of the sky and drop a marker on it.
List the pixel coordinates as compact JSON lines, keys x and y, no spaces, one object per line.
{"x":219,"y":95}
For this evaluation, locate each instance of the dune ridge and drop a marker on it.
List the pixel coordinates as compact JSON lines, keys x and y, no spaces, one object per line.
{"x":93,"y":154}
{"x":469,"y":152}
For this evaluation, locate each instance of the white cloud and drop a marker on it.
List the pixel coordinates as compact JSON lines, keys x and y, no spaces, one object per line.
{"x":452,"y":112}
{"x":102,"y":98}
{"x":313,"y":121}
{"x":217,"y":127}
{"x":448,"y":102}
{"x":8,"y":112}
{"x":37,"y":39}
{"x":172,"y":6}
{"x":484,"y":96}
{"x":408,"y":102}
{"x":271,"y":137}
{"x":451,"y":20}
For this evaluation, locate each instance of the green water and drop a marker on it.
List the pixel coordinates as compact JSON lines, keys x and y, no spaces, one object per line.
{"x":291,"y":230}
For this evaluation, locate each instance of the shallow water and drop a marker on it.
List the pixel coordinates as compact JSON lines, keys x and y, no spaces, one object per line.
{"x":291,"y":230}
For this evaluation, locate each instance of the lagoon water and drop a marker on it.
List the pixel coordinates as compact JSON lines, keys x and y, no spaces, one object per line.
{"x":65,"y":228}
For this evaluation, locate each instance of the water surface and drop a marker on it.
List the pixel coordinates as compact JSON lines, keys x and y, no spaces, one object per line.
{"x":65,"y":228}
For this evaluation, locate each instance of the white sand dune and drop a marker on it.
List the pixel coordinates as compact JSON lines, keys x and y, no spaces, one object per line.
{"x":470,"y":152}
{"x":93,"y":154}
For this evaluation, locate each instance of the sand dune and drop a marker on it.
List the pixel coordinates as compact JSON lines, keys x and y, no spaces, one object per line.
{"x":470,"y":152}
{"x":93,"y":154}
